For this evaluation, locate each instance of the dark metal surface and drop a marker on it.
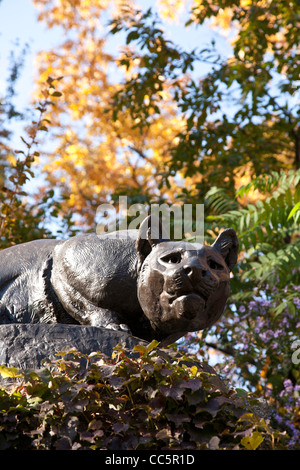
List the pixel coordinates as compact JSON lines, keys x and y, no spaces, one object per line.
{"x":147,"y":285}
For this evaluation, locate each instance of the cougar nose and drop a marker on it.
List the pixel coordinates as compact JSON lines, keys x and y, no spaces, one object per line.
{"x":188,"y":270}
{"x":194,"y":271}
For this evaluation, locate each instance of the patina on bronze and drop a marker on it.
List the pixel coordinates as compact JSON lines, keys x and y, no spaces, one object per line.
{"x":137,"y":281}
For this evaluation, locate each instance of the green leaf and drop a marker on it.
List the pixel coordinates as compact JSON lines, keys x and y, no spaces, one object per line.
{"x":294,"y":210}
{"x":56,"y":94}
{"x":132,"y":36}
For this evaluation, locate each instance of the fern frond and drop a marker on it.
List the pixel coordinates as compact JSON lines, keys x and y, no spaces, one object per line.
{"x":279,"y":213}
{"x":218,"y":200}
{"x":276,"y":267}
{"x":268,"y":183}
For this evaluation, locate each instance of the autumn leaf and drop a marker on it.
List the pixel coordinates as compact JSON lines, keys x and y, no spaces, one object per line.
{"x":252,"y":442}
{"x":10,"y":372}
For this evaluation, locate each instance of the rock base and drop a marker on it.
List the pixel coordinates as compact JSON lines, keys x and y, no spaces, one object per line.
{"x":25,"y":346}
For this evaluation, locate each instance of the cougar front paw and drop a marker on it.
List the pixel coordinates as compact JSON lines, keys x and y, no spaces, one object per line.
{"x":125,"y":328}
{"x":117,"y":327}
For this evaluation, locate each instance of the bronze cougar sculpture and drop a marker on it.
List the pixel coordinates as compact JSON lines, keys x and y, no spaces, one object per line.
{"x":137,"y":281}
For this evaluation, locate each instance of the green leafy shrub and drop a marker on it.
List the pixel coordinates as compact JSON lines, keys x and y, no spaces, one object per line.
{"x":154,"y":401}
{"x":259,"y":330}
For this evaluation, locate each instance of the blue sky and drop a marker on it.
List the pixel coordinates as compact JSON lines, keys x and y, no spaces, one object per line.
{"x":19,"y":25}
{"x":18,"y":21}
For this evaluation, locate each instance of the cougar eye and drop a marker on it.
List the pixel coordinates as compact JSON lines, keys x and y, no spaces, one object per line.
{"x":172,"y":258}
{"x":214,"y":265}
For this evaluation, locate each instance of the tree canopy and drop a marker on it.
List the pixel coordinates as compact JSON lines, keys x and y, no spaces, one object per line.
{"x":129,"y":111}
{"x":158,"y":114}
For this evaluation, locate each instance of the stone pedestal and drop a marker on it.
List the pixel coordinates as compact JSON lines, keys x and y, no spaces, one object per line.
{"x":25,"y":346}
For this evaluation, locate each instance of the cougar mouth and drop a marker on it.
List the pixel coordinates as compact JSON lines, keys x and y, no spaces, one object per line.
{"x":203,"y":296}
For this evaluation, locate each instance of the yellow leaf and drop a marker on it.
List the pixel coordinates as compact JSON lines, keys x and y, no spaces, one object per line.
{"x":140,"y":348}
{"x":194,"y":371}
{"x":152,"y":345}
{"x":10,"y":372}
{"x":252,"y":442}
{"x":171,"y":10}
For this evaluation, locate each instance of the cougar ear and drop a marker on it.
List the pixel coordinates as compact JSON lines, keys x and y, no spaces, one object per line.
{"x":227,"y":244}
{"x":151,"y":232}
